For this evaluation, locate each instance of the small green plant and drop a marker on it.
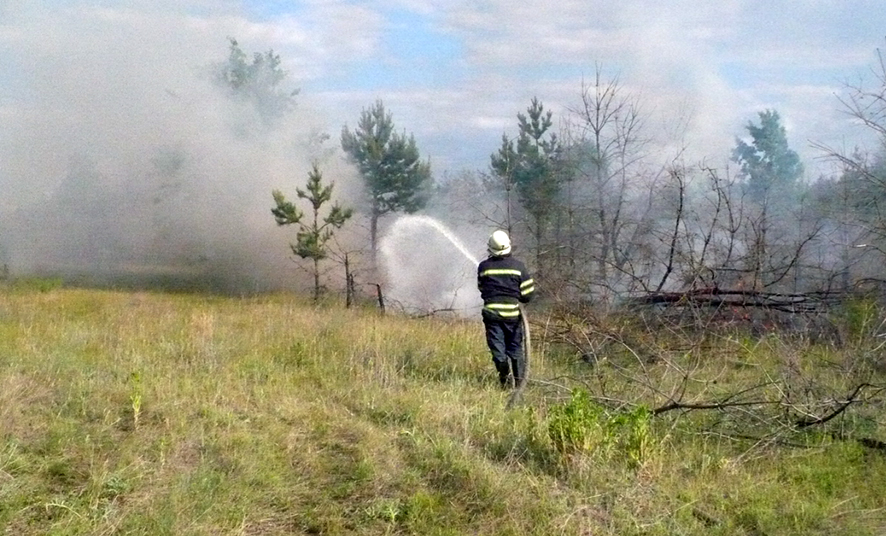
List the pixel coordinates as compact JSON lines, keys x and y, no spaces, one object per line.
{"x":630,"y":433}
{"x":388,"y":510}
{"x":135,"y":397}
{"x":575,"y":425}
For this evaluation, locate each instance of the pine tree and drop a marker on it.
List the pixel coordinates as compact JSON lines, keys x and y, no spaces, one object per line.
{"x":768,"y":164}
{"x":260,"y":82}
{"x":529,"y":166}
{"x":312,"y":238}
{"x":396,"y":178}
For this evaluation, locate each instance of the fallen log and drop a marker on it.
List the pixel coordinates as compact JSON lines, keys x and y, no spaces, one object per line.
{"x":716,"y":297}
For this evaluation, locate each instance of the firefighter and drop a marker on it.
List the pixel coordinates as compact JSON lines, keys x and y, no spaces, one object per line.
{"x":504,"y":284}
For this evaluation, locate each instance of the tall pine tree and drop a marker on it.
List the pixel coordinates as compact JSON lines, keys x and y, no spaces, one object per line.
{"x":769,"y":166}
{"x":395,"y":177}
{"x":530,"y":167}
{"x":261,"y":82}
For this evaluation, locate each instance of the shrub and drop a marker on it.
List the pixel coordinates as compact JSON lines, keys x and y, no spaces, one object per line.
{"x":583,"y":426}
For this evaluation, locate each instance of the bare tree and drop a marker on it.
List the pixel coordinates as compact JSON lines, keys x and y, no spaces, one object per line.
{"x":605,"y":158}
{"x":859,"y":190}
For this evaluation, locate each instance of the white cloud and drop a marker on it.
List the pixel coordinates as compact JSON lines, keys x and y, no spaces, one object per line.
{"x":324,"y":40}
{"x":674,"y":54}
{"x":718,"y":62}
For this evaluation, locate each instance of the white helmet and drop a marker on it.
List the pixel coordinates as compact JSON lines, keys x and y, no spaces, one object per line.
{"x":499,"y":244}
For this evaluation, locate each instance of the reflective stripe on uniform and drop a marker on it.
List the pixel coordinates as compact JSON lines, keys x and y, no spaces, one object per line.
{"x":505,"y":314}
{"x":500,"y":271}
{"x":527,"y":286}
{"x":503,"y":306}
{"x":503,"y":309}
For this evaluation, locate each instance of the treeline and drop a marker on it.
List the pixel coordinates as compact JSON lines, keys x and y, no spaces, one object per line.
{"x":601,"y":217}
{"x":597,"y":213}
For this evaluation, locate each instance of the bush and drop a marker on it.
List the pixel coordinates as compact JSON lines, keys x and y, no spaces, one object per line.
{"x":36,"y":284}
{"x":583,"y":426}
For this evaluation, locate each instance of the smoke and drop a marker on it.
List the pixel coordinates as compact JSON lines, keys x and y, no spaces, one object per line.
{"x":121,"y":160}
{"x":429,"y":268}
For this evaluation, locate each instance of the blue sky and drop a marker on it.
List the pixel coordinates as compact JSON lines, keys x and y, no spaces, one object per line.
{"x":455,"y":73}
{"x":461,"y":70}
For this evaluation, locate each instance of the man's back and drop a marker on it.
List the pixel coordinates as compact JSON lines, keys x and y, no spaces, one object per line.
{"x":504,"y":282}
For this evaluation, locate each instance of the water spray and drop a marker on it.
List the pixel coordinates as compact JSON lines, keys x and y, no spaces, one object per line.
{"x":428,"y":267}
{"x":427,"y":221}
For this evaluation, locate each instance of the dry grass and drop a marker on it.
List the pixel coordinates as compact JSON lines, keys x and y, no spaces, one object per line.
{"x":125,"y":413}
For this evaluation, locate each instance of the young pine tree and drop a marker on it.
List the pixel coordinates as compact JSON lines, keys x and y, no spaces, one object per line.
{"x":312,"y":238}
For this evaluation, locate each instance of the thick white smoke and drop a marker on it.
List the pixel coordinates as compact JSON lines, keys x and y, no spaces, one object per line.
{"x":120,"y":157}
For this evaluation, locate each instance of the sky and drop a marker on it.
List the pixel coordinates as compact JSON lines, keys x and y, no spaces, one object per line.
{"x":456,"y":73}
{"x":118,"y":92}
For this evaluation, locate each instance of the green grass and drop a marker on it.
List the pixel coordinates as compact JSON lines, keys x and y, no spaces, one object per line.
{"x":150,"y":413}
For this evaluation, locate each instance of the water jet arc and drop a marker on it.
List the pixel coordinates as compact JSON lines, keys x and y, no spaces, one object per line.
{"x":428,"y":221}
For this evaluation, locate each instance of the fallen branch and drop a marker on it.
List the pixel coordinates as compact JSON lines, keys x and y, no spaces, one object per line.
{"x":715,"y":297}
{"x":803,"y":423}
{"x":670,"y":406}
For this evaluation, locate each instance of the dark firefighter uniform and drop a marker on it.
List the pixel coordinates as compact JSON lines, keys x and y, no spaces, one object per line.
{"x":504,"y":283}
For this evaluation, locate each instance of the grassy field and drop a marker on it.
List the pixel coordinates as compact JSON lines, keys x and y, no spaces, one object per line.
{"x":178,"y":414}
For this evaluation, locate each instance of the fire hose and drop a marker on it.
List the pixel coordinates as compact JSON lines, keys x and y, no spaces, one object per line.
{"x":517,"y":395}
